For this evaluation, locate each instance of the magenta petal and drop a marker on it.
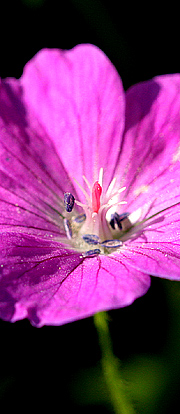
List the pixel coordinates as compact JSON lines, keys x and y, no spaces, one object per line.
{"x":98,"y":284}
{"x":32,"y":177}
{"x":160,"y":259}
{"x":32,"y":270}
{"x":152,"y":136}
{"x":50,"y":285}
{"x":78,"y":97}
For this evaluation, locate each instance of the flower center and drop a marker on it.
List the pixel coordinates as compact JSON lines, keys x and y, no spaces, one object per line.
{"x":100,"y":224}
{"x":100,"y":229}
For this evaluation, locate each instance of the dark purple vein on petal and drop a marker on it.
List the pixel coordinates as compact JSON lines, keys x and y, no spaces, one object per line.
{"x":37,"y":177}
{"x":156,"y":249}
{"x":58,"y":284}
{"x":31,"y":156}
{"x":33,"y":227}
{"x":30,"y":212}
{"x":39,"y":262}
{"x":135,"y":197}
{"x":144,"y":159}
{"x":30,"y":203}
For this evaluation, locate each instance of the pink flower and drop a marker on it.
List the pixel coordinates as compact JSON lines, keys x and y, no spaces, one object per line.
{"x":66,"y":126}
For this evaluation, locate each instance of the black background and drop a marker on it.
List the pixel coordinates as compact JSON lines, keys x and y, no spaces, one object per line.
{"x":39,"y":366}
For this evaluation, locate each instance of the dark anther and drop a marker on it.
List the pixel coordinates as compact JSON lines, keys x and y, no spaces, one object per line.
{"x":117,"y":219}
{"x":91,"y":253}
{"x":80,"y":218}
{"x":68,"y":229}
{"x":69,"y":202}
{"x":91,"y":238}
{"x":112,"y":222}
{"x":112,"y":244}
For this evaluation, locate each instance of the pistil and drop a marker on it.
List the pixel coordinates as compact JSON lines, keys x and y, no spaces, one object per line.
{"x":97,"y":225}
{"x":96,"y":194}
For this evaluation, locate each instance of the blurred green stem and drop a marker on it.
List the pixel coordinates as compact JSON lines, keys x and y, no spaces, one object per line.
{"x":110,"y":366}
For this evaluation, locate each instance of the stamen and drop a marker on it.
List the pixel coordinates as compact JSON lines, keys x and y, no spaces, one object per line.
{"x":117,"y":219}
{"x":121,"y":220}
{"x":110,"y":205}
{"x":91,"y":238}
{"x":112,"y":221}
{"x":87,"y":182}
{"x":68,"y":229}
{"x":97,"y":226}
{"x":80,"y":218}
{"x":68,"y":202}
{"x":110,"y":188}
{"x":83,"y":191}
{"x":117,"y":193}
{"x":112,"y":244}
{"x":96,"y":194}
{"x":91,"y":253}
{"x":80,"y":204}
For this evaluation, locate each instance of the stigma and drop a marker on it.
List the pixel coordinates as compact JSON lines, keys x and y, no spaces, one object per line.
{"x":101,"y":222}
{"x":96,"y":194}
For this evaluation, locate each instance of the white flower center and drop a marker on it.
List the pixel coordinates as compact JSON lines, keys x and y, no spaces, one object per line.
{"x":101,"y":229}
{"x":100,"y":225}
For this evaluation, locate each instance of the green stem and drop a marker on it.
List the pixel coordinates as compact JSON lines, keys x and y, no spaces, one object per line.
{"x":110,"y":367}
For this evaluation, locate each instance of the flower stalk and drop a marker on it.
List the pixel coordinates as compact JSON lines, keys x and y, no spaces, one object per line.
{"x":118,"y":393}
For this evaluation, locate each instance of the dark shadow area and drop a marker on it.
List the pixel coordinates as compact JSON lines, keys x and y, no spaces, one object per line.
{"x":146,"y":94}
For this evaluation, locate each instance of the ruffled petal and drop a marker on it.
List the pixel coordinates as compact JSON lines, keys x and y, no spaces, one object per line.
{"x":78,"y":97}
{"x":44,"y":282}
